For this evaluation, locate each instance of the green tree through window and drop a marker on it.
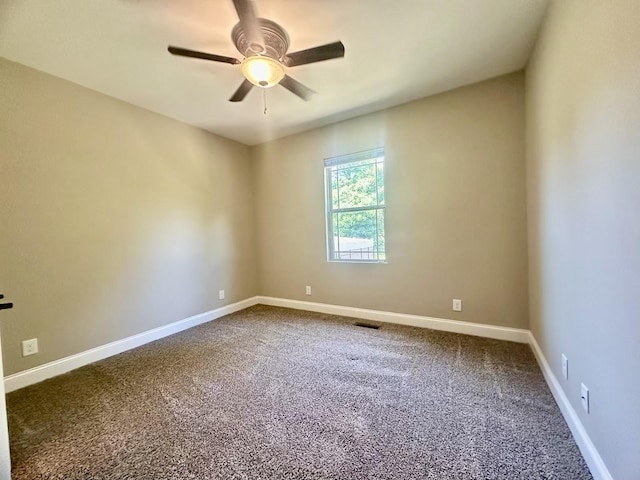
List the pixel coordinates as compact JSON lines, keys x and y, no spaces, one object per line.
{"x":356,"y":207}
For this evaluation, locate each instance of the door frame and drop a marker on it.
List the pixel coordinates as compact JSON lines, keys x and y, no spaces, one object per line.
{"x":5,"y":459}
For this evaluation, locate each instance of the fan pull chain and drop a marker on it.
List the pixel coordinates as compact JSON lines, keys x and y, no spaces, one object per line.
{"x":264,"y":98}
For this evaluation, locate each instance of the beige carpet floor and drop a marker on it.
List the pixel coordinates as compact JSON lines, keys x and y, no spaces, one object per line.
{"x":271,"y":393}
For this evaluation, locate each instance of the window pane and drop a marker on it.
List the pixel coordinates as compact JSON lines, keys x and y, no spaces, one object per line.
{"x":334,"y":189}
{"x":380,"y":180}
{"x":356,"y":236}
{"x":336,"y":235}
{"x":380,"y":236}
{"x":357,"y":186}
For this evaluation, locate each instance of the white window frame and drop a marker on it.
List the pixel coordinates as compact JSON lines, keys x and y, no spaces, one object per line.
{"x":330,"y":210}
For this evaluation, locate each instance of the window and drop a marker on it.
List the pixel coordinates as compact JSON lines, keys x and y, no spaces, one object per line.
{"x":355,"y":207}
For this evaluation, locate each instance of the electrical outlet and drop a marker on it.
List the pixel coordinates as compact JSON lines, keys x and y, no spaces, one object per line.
{"x":29,"y":347}
{"x":584,"y":397}
{"x":565,"y":367}
{"x":308,"y":290}
{"x":457,"y":305}
{"x":221,"y":294}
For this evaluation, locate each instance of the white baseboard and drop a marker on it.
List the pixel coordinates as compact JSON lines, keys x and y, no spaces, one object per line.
{"x":479,"y":330}
{"x":64,"y":365}
{"x":587,"y":448}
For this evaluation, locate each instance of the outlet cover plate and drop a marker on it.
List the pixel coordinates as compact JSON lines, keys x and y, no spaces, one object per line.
{"x":29,"y":347}
{"x":457,"y":305}
{"x":584,"y":397}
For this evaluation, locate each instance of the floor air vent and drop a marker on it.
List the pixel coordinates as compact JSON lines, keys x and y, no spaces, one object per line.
{"x":367,"y":325}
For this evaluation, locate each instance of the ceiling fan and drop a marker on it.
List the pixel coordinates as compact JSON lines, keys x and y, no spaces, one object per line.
{"x":264,"y":45}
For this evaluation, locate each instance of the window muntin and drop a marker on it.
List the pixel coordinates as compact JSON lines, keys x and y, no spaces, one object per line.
{"x":355,"y":207}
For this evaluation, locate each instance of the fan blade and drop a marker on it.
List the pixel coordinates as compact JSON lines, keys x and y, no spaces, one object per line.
{"x":183,"y":52}
{"x":248,"y":18}
{"x":316,"y":54}
{"x":242,"y":91}
{"x":296,"y":87}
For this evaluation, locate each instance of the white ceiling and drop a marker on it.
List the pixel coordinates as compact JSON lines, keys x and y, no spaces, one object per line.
{"x":396,"y":51}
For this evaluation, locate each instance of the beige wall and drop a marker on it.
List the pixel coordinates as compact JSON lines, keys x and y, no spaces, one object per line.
{"x":583,"y":118}
{"x":455,"y":191}
{"x":113,"y":220}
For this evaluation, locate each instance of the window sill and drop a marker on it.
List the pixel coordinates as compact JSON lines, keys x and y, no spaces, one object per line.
{"x":375,"y":262}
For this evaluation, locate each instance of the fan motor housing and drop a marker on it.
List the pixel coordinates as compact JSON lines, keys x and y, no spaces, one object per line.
{"x":276,"y":40}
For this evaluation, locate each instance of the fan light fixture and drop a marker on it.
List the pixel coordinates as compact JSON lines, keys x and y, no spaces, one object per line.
{"x":265,"y":44}
{"x":262,"y":71}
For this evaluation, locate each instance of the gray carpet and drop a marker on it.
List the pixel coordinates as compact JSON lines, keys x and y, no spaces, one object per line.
{"x":271,"y":393}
